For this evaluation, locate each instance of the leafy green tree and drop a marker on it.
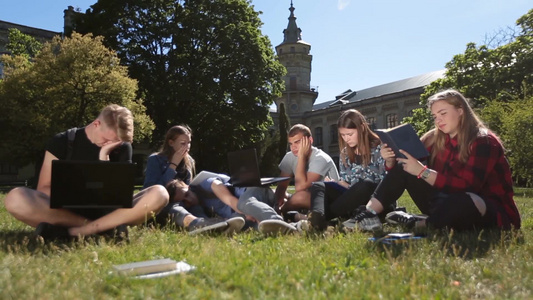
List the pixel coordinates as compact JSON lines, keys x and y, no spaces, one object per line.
{"x":496,"y":81}
{"x":483,"y":74}
{"x":204,"y":63}
{"x":22,"y":44}
{"x":284,"y":126}
{"x":66,"y":85}
{"x":514,"y":120}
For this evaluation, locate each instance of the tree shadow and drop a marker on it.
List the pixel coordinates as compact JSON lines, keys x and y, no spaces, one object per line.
{"x":12,"y":241}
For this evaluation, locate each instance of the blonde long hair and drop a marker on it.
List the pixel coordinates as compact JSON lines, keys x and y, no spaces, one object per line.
{"x":366,"y":138}
{"x":470,"y":126}
{"x":168,"y":151}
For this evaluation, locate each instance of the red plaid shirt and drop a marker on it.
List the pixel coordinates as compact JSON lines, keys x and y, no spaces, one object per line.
{"x":485,"y":173}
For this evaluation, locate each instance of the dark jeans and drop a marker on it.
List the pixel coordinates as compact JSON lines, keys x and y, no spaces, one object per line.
{"x":329,"y":201}
{"x":451,"y":210}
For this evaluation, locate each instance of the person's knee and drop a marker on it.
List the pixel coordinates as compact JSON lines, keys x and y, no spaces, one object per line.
{"x":159,"y":196}
{"x":302,"y":199}
{"x":244,"y":203}
{"x":15,"y":201}
{"x":317,"y":188}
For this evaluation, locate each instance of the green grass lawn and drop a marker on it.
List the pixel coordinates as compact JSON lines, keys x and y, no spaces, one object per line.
{"x":486,"y":265}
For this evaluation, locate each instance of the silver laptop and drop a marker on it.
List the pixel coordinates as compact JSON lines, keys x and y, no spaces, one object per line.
{"x":92,"y":184}
{"x":244,"y":170}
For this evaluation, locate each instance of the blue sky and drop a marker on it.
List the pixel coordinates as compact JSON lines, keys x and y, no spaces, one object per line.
{"x":355,"y":44}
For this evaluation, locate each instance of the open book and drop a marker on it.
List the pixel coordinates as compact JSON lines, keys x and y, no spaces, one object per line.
{"x":200,"y":177}
{"x":403,"y":137}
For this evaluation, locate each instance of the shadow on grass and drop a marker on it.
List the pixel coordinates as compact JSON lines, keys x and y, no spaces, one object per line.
{"x":467,"y":245}
{"x":17,"y":241}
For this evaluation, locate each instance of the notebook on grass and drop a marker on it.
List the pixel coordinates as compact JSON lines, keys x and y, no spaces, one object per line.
{"x":244,"y":169}
{"x":91,"y":184}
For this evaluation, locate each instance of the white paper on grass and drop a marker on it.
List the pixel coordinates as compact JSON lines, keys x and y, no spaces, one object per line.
{"x":181,"y":267}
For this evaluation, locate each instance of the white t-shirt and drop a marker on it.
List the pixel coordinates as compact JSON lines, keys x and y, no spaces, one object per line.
{"x":319,"y":162}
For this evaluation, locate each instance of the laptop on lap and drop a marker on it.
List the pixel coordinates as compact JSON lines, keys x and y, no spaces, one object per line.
{"x":244,"y":170}
{"x":92,"y":184}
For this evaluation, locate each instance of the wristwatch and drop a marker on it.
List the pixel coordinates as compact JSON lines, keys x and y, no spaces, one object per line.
{"x":425,"y":174}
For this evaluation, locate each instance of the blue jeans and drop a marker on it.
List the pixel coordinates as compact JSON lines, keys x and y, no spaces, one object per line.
{"x":258,"y":202}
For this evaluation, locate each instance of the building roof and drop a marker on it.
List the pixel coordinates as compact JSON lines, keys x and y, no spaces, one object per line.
{"x":350,"y":96}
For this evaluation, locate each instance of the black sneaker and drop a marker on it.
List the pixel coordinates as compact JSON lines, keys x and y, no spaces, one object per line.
{"x":201,"y":225}
{"x":403,"y":218}
{"x":318,"y":221}
{"x":49,"y":232}
{"x":364,"y":220}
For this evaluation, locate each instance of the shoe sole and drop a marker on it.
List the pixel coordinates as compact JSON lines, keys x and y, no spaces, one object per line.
{"x":371,"y":229}
{"x":275,"y":227}
{"x":235,"y":225}
{"x":217,"y":227}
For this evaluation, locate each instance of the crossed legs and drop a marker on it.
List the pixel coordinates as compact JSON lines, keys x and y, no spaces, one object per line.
{"x":33,"y":207}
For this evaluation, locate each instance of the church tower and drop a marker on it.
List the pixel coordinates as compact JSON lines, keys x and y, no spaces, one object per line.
{"x":299,"y":96}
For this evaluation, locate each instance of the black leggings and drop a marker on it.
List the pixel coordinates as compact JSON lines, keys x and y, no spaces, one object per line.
{"x":329,"y":202}
{"x":456,"y":210}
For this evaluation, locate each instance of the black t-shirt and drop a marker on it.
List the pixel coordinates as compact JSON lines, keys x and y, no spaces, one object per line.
{"x":83,"y":149}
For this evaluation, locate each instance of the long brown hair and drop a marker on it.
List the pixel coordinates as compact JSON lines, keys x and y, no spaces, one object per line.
{"x":168,"y":151}
{"x":366,"y":138}
{"x":470,"y":126}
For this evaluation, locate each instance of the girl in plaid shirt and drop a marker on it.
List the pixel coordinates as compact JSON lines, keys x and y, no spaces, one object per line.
{"x":465,"y":185}
{"x":361,"y":170}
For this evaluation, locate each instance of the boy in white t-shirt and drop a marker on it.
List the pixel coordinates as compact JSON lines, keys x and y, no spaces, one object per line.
{"x":306,"y":164}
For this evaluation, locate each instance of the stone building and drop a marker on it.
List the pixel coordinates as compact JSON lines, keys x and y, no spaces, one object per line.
{"x":384,"y":105}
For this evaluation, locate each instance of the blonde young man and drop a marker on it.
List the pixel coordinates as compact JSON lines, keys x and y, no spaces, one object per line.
{"x":108,"y":137}
{"x":306,"y":164}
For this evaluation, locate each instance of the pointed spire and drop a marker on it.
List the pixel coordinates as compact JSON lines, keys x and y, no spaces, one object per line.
{"x":292,"y":34}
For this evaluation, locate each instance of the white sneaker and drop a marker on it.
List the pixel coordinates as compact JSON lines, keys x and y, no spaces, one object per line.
{"x":275,"y":227}
{"x":201,"y":225}
{"x":234,"y":225}
{"x":302,"y":225}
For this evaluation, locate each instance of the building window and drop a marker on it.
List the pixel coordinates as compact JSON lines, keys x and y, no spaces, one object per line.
{"x":305,"y":50}
{"x":292,"y":84}
{"x":293,"y":49}
{"x":280,"y":50}
{"x":371,"y":122}
{"x":317,"y":138}
{"x":333,"y":135}
{"x":392,"y":120}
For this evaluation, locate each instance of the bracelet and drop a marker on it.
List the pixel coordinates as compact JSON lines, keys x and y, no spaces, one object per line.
{"x":419,"y":174}
{"x":171,"y":163}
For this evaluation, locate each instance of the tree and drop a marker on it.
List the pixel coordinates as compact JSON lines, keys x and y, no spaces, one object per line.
{"x":484,"y":74}
{"x":66,"y":85}
{"x":204,"y":63}
{"x":514,"y":120}
{"x":284,"y":126}
{"x":497,"y":82}
{"x":22,"y":44}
